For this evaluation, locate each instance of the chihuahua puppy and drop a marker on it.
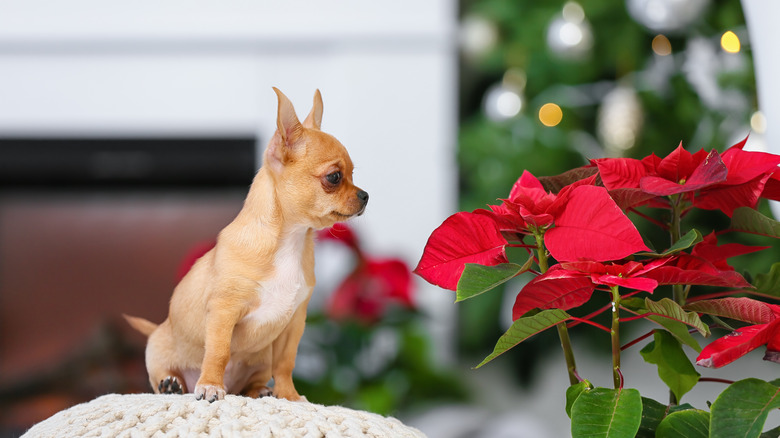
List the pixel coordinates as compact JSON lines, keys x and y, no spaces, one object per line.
{"x":236,"y":318}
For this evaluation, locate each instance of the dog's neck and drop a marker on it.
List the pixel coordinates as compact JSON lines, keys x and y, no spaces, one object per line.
{"x":261,"y":222}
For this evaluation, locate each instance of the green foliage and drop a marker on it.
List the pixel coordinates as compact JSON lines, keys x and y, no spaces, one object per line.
{"x":687,"y":241}
{"x":690,"y":423}
{"x":606,"y":413}
{"x":652,"y":414}
{"x":573,"y":392}
{"x":525,"y":327}
{"x":741,"y":410}
{"x":751,"y":221}
{"x":678,"y":328}
{"x":769,"y":283}
{"x":398,"y":378}
{"x":477,"y":279}
{"x":667,"y":308}
{"x":674,"y":368}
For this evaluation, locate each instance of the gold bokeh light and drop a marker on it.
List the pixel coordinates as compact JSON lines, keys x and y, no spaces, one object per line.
{"x":550,"y":114}
{"x":730,"y":42}
{"x":661,"y":45}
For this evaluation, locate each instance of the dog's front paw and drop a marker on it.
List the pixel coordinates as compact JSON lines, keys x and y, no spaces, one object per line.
{"x":211,"y":393}
{"x":170,"y":385}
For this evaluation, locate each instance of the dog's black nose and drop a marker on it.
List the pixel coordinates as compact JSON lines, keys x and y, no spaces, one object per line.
{"x":363,"y":196}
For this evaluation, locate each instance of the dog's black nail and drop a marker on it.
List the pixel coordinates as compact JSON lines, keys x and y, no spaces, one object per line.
{"x":175,"y":387}
{"x":213,"y":398}
{"x":159,"y":386}
{"x":199,"y":396}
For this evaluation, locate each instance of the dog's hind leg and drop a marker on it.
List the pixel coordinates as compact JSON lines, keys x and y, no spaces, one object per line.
{"x":159,"y":354}
{"x":171,"y":385}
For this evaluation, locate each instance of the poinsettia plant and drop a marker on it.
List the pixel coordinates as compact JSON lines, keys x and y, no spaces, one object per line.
{"x":576,"y":234}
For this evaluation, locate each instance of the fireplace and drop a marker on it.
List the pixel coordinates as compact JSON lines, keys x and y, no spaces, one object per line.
{"x":91,"y":228}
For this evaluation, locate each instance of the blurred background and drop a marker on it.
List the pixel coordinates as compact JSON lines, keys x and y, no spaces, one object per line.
{"x":129,"y":134}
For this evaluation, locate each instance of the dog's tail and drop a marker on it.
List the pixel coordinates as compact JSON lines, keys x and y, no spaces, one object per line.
{"x":140,"y":324}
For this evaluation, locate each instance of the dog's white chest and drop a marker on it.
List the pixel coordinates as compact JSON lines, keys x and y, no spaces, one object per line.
{"x":282,"y":293}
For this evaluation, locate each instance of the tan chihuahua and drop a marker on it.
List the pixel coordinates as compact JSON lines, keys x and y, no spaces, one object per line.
{"x":235,"y":320}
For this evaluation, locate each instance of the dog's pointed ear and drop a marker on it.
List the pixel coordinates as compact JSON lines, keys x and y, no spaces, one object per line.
{"x":287,"y":136}
{"x":314,"y":119}
{"x":287,"y":123}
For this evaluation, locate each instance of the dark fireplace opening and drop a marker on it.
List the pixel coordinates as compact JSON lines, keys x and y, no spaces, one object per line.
{"x":91,"y":228}
{"x":126,"y":162}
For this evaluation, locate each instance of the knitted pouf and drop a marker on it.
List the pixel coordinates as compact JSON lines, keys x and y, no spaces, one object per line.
{"x":150,"y":415}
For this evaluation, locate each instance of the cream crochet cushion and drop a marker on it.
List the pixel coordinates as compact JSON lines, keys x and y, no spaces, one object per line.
{"x":151,"y":415}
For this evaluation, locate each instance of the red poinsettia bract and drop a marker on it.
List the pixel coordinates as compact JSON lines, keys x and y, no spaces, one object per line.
{"x":731,"y":347}
{"x":581,"y":222}
{"x":372,"y":286}
{"x":367,"y":292}
{"x":737,"y":178}
{"x":570,"y":284}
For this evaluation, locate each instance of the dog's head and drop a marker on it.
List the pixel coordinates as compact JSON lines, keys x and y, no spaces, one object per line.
{"x":312,"y":170}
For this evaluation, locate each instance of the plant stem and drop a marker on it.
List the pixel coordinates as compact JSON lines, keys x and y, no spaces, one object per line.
{"x":679,"y":293}
{"x":615,"y":334}
{"x":675,"y":232}
{"x":541,"y":252}
{"x":568,"y":353}
{"x":673,"y":398}
{"x":563,"y":332}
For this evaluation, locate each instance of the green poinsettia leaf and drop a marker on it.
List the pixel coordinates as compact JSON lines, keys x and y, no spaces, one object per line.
{"x":691,"y":423}
{"x":741,"y":409}
{"x":682,"y":407}
{"x":573,"y":392}
{"x":606,"y":413}
{"x":677,"y":328}
{"x":525,"y":327}
{"x":751,"y":221}
{"x":477,"y":279}
{"x":688,"y":240}
{"x":652,"y":414}
{"x":741,"y":308}
{"x":768,"y":283}
{"x":669,"y":309}
{"x":674,"y":367}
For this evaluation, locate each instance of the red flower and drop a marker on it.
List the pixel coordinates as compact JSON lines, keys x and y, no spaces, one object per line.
{"x":679,"y":172}
{"x":529,"y":205}
{"x":708,"y":249}
{"x":373,"y":286}
{"x":735,"y":179}
{"x":340,"y":232}
{"x":462,"y":238}
{"x":731,"y":347}
{"x":748,"y":173}
{"x":368,"y":291}
{"x":568,"y":285}
{"x":691,"y":269}
{"x":591,"y":226}
{"x":581,"y":222}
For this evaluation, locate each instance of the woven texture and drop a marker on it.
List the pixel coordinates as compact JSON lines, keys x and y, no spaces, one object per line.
{"x":150,"y":415}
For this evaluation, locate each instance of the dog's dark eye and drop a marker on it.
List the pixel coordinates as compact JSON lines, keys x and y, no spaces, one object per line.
{"x":334,"y":178}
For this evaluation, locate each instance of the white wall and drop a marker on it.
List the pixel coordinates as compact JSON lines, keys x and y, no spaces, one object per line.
{"x":149,"y":68}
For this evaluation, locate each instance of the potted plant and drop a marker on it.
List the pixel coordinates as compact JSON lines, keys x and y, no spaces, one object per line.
{"x":576,"y":233}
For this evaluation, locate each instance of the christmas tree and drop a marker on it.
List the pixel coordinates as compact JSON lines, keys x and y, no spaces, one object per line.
{"x":546,"y":86}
